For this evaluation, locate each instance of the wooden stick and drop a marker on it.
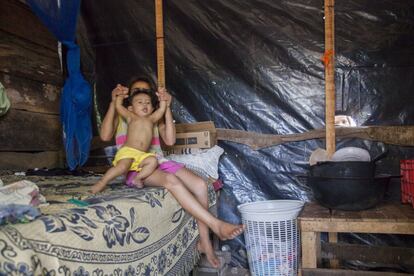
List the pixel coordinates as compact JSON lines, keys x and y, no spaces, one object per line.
{"x":159,"y":30}
{"x":394,"y":135}
{"x":329,"y":77}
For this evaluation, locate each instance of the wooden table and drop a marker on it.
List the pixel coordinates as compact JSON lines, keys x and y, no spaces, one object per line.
{"x":389,"y":218}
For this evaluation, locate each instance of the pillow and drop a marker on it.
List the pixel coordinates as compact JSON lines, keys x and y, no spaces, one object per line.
{"x":204,"y":162}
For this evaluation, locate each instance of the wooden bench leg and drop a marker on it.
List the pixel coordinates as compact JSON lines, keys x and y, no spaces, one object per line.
{"x":311,"y":249}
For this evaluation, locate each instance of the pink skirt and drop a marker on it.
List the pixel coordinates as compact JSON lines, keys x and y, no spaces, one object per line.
{"x":167,"y":166}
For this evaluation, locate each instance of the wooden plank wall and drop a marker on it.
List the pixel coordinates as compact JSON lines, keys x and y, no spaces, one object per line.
{"x":30,"y":133}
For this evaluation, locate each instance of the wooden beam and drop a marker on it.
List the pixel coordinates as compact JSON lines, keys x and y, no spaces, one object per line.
{"x":359,"y":227}
{"x":369,"y":253}
{"x":25,"y":94}
{"x":332,"y":238}
{"x":395,"y":135}
{"x":29,"y":131}
{"x":329,"y":60}
{"x":311,"y":249}
{"x":22,"y":58}
{"x":388,"y":212}
{"x":25,"y":160}
{"x":17,"y":18}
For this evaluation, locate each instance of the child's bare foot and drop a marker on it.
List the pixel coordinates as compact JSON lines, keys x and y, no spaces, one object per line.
{"x":99,"y":186}
{"x":208,"y":250}
{"x":228,"y":231}
{"x":138,"y":183}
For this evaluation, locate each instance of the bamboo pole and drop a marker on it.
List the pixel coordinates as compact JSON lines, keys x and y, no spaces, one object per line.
{"x":159,"y":32}
{"x":329,"y":61}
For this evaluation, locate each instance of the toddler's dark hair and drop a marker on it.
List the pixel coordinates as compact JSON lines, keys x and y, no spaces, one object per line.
{"x":150,"y":92}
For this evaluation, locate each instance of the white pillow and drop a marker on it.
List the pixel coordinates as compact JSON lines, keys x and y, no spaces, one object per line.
{"x":204,"y":162}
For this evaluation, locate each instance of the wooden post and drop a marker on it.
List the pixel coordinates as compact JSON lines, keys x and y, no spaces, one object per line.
{"x":311,"y":249}
{"x":333,"y":238}
{"x":159,"y":30}
{"x":329,"y":61}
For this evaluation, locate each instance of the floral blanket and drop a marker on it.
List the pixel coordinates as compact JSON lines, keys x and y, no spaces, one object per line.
{"x":122,"y":232}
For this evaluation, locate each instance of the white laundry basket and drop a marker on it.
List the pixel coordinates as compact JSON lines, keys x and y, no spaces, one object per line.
{"x":272,"y":238}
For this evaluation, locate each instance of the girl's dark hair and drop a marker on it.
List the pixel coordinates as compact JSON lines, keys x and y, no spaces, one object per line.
{"x":142,"y":79}
{"x":150,"y":92}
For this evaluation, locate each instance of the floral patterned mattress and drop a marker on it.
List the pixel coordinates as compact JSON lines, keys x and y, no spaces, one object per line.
{"x":121,"y":232}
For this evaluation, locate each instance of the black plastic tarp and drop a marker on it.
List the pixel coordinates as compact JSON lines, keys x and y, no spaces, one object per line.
{"x":256,"y":66}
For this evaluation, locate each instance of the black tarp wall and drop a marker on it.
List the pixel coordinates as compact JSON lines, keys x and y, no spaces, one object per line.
{"x":256,"y":65}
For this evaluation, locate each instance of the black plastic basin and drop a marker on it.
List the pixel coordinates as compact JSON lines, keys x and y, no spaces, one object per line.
{"x":349,"y":193}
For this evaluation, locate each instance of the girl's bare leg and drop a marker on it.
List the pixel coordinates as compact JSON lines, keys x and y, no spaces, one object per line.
{"x":198,"y":187}
{"x":121,"y":168}
{"x":186,"y":199}
{"x":148,"y":165}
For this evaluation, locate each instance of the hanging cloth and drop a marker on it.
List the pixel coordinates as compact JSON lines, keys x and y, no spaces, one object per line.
{"x":4,"y":100}
{"x":60,"y":17}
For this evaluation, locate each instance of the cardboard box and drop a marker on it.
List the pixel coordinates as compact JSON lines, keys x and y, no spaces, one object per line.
{"x":200,"y":139}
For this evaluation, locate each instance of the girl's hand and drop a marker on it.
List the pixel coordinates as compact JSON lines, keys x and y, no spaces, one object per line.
{"x":118,"y":91}
{"x":163,"y":95}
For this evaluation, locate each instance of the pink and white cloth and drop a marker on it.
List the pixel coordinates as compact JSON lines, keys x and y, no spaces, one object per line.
{"x":22,"y":192}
